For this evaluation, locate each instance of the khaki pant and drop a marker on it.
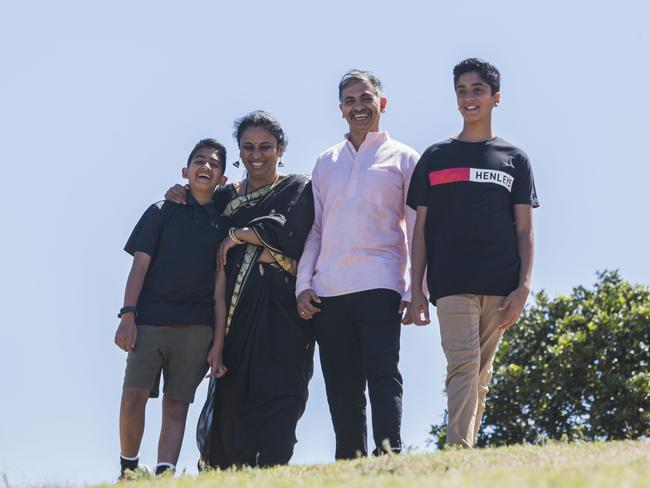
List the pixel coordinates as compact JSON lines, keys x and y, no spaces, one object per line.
{"x":470,"y":336}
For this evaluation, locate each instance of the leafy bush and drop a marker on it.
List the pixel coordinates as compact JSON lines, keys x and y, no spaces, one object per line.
{"x":573,"y":368}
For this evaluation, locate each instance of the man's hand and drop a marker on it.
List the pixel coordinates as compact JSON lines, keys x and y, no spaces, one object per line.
{"x":222,"y":254}
{"x":407,"y":318}
{"x":512,"y":306}
{"x":215,"y":360}
{"x":127,"y":333}
{"x":307,"y":309}
{"x":419,"y":309}
{"x":177,"y":194}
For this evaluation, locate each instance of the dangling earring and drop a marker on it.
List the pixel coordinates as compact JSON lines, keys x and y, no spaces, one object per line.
{"x":280,"y":164}
{"x":236,"y":164}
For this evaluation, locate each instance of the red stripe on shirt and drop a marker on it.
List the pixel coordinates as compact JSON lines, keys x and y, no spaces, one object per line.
{"x":450,"y":175}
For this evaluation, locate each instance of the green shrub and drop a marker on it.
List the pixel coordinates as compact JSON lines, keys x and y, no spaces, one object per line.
{"x":574,"y":367}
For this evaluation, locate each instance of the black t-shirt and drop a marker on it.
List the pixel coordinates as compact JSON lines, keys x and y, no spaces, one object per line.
{"x":469,"y":190}
{"x":182,"y":241}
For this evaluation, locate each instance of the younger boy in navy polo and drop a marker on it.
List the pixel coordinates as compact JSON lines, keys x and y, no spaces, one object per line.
{"x":173,"y":318}
{"x":474,"y":196}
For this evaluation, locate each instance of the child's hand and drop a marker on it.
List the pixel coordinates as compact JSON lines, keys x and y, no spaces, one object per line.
{"x":215,"y":360}
{"x":419,"y":308}
{"x":512,"y":306}
{"x":127,"y":333}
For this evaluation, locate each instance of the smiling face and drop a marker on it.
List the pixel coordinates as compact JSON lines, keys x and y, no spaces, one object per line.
{"x":259,"y":151}
{"x":474,"y":98}
{"x":205,"y":171}
{"x":361,"y":107}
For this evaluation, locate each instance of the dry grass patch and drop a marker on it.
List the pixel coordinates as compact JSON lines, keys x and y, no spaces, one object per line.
{"x":593,"y":465}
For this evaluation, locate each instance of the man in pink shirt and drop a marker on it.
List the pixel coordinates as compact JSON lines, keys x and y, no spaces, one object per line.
{"x":350,"y":278}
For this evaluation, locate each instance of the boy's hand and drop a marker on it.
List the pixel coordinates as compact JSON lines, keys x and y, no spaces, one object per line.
{"x":215,"y":360}
{"x":305,"y":304}
{"x":177,"y":194}
{"x":512,"y":306}
{"x":127,"y":333}
{"x":419,"y":309}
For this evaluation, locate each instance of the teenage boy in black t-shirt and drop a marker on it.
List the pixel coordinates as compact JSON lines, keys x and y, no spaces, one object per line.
{"x":173,"y":318}
{"x":474,"y":196}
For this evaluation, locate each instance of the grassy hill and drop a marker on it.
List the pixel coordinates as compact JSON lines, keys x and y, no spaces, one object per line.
{"x":614,"y":464}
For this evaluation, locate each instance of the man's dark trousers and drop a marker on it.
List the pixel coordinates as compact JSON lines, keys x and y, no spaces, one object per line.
{"x":358,"y":338}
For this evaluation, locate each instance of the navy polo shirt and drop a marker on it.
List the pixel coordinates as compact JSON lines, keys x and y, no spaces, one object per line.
{"x":182,"y":241}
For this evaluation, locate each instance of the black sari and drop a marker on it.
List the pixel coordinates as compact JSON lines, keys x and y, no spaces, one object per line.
{"x":251,"y":413}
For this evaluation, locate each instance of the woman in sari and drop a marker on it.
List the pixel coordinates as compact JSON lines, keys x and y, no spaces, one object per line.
{"x":251,"y":413}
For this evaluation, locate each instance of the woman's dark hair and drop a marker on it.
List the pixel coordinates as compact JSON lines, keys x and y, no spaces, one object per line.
{"x":260,"y":118}
{"x":488,"y":73}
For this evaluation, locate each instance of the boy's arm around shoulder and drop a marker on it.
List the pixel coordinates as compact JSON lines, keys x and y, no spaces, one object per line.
{"x":127,"y":332}
{"x":215,"y":356}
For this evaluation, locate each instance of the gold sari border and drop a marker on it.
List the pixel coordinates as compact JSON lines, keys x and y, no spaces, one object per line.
{"x":286,"y":263}
{"x":264,"y":243}
{"x":240,"y":200}
{"x":242,"y":276}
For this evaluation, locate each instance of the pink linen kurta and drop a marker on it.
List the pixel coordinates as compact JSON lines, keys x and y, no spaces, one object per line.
{"x":359,"y":238}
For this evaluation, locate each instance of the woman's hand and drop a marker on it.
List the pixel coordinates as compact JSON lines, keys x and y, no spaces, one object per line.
{"x":177,"y":194}
{"x":226,"y":245}
{"x":215,"y":360}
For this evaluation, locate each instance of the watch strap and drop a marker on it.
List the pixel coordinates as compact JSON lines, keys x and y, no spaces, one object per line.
{"x":127,"y":309}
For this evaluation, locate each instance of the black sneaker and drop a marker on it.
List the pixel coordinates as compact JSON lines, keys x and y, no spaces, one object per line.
{"x":142,"y":472}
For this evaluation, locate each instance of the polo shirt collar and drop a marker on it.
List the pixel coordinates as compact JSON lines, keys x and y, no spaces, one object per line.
{"x":209,"y":207}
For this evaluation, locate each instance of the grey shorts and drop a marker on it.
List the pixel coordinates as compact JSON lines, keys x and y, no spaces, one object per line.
{"x":179,"y":352}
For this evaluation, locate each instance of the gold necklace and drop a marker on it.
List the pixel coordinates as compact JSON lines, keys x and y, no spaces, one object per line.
{"x":277,"y":177}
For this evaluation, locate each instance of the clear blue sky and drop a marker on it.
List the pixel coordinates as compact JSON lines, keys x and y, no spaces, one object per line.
{"x":100,"y":103}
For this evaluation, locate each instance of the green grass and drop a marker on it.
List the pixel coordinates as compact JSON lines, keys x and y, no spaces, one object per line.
{"x":592,"y":465}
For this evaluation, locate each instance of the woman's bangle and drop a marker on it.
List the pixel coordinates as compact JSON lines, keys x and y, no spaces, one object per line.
{"x":233,"y":237}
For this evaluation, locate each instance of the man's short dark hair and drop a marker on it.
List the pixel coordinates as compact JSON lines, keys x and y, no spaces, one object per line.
{"x":356,"y":76}
{"x":488,"y":73}
{"x":265,"y":120}
{"x":210,"y":144}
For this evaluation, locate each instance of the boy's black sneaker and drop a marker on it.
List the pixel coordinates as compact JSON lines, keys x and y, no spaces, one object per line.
{"x":131,"y":470}
{"x":165,"y":469}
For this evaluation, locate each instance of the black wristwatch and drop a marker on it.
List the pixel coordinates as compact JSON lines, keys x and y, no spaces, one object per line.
{"x":127,"y":309}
